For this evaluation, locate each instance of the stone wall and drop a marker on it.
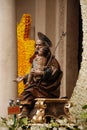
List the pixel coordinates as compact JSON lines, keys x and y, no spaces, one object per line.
{"x":79,"y":96}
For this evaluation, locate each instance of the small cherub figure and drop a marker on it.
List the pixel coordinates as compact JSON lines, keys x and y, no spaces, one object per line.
{"x":39,"y":64}
{"x":39,"y":117}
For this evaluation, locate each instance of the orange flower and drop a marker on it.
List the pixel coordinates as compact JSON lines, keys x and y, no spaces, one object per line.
{"x":25,"y":48}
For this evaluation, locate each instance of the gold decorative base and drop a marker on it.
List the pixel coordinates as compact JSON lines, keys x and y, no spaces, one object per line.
{"x":49,"y":107}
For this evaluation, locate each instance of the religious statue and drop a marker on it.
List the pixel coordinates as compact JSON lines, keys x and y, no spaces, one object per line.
{"x":44,"y":79}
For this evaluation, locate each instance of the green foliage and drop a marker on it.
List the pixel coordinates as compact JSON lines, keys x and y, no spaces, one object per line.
{"x":14,"y":125}
{"x":84,"y":107}
{"x":82,"y":121}
{"x":24,"y":123}
{"x":84,"y":113}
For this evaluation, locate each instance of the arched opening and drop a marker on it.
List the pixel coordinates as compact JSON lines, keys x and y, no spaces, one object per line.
{"x":73,"y":45}
{"x":66,"y":14}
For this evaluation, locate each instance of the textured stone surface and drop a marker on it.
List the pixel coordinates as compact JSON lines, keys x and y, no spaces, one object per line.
{"x":79,"y":96}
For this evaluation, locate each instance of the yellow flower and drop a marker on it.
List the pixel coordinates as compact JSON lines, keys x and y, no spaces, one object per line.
{"x":25,"y":48}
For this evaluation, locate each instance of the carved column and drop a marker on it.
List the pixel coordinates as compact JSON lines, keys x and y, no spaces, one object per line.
{"x":8,"y":59}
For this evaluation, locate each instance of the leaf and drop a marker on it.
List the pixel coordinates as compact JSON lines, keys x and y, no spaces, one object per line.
{"x":84,"y":107}
{"x":84,"y":115}
{"x":24,"y":120}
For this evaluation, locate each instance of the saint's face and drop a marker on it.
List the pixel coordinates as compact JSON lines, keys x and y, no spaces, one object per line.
{"x":41,"y":52}
{"x":38,"y":45}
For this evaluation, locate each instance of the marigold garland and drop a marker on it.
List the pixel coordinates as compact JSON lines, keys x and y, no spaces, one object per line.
{"x":25,"y":48}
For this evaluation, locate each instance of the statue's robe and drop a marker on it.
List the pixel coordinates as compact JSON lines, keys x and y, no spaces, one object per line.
{"x":48,"y":86}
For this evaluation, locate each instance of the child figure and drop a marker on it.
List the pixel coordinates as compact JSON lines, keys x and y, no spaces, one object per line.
{"x":39,"y":64}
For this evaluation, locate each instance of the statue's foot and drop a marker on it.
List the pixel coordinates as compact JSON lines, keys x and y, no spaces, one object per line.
{"x":22,"y":114}
{"x":24,"y":111}
{"x":25,"y":102}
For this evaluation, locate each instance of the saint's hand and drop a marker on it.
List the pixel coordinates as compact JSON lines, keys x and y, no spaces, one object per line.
{"x":36,"y":72}
{"x":18,"y":79}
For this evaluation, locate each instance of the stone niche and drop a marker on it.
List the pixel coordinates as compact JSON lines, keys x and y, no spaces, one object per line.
{"x":79,"y":95}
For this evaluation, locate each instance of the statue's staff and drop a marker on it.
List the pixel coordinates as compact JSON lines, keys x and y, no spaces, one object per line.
{"x":63,"y":34}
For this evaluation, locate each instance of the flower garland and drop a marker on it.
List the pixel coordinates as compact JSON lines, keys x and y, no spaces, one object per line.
{"x":25,"y":48}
